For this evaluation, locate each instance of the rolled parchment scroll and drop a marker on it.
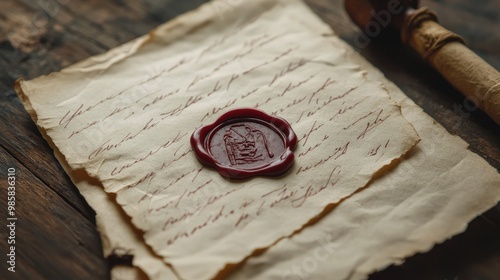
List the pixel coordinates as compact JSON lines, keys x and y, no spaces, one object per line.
{"x":446,"y":52}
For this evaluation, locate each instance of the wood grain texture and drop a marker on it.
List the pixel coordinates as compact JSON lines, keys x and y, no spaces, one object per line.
{"x":52,"y":240}
{"x":57,"y":236}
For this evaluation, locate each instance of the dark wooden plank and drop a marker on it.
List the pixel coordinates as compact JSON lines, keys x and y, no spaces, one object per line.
{"x":52,"y":240}
{"x":56,"y":35}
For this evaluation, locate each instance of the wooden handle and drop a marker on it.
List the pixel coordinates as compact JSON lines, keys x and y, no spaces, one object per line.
{"x":446,"y":52}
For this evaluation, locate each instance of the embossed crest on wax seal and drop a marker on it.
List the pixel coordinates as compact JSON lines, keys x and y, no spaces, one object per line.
{"x":246,"y":142}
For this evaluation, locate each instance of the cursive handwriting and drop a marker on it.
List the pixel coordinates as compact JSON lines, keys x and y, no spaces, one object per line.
{"x":146,"y":125}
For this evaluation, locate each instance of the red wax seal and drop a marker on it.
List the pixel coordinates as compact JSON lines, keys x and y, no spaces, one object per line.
{"x":246,"y":142}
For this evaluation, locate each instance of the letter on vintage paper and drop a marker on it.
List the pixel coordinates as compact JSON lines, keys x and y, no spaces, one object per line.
{"x":125,"y":118}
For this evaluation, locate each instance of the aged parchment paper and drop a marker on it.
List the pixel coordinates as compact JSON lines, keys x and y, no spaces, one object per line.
{"x":306,"y":23}
{"x":138,"y":137}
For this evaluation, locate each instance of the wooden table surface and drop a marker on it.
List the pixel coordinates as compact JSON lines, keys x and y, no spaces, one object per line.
{"x":56,"y":237}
